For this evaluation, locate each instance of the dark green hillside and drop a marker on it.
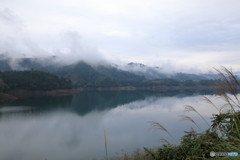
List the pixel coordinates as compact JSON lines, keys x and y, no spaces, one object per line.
{"x":117,"y":73}
{"x":124,"y":78}
{"x":185,"y":76}
{"x":152,"y":73}
{"x":49,"y":68}
{"x":1,"y":85}
{"x":29,"y":63}
{"x":161,"y":82}
{"x":33,"y":80}
{"x":84,"y":75}
{"x":22,"y":63}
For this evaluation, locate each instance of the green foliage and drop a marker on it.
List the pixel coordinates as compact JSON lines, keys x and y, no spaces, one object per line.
{"x":206,"y":82}
{"x":225,"y":123}
{"x":84,"y":75}
{"x":29,"y":63}
{"x":118,"y":74}
{"x":33,"y":80}
{"x":165,"y":82}
{"x":184,"y":76}
{"x":189,"y":83}
{"x":196,"y":146}
{"x":1,"y":85}
{"x":199,"y":146}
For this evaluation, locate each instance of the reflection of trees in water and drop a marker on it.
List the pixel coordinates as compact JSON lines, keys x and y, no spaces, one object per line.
{"x":85,"y":102}
{"x":36,"y":105}
{"x":88,"y":101}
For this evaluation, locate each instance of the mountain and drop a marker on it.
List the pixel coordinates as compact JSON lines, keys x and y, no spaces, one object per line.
{"x":116,"y":73}
{"x":85,"y":75}
{"x":81,"y":74}
{"x":8,"y":63}
{"x":146,"y":71}
{"x":152,"y":73}
{"x":185,"y":76}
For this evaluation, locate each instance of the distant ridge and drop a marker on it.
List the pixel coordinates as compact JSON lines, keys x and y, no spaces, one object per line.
{"x":83,"y":74}
{"x":152,"y":73}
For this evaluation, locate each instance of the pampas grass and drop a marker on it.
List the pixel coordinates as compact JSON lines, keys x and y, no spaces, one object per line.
{"x":189,"y":108}
{"x":157,"y":126}
{"x":187,"y":118}
{"x":105,"y":142}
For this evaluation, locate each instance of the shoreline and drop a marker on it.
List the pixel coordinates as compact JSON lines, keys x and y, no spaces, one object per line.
{"x":55,"y":92}
{"x":164,"y":88}
{"x":12,"y":95}
{"x":7,"y":98}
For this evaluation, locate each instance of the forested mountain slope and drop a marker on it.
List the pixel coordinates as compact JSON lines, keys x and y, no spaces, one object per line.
{"x":33,"y":80}
{"x":82,"y":74}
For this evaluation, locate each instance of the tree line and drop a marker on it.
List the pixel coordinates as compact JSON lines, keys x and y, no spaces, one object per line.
{"x":112,"y":82}
{"x":32,"y":80}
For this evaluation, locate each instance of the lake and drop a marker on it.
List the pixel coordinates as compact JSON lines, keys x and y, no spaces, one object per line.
{"x":71,"y":127}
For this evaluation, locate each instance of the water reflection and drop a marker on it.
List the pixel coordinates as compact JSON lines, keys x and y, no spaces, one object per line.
{"x":86,"y":102}
{"x":70,"y":127}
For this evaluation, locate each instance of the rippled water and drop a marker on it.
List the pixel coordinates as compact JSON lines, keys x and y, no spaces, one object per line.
{"x":71,"y":127}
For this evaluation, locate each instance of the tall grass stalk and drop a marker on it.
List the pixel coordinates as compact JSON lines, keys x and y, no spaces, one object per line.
{"x":189,"y":108}
{"x":230,"y":85}
{"x":157,"y":126}
{"x":187,"y":118}
{"x":207,"y":100}
{"x":105,"y":142}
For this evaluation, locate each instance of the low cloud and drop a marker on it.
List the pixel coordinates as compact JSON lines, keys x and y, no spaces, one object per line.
{"x":194,"y":36}
{"x":16,"y":43}
{"x":75,"y":49}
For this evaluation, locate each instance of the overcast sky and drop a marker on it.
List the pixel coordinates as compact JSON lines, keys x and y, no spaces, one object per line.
{"x":186,"y":35}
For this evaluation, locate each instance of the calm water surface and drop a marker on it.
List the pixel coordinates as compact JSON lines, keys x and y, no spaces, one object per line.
{"x":71,"y":127}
